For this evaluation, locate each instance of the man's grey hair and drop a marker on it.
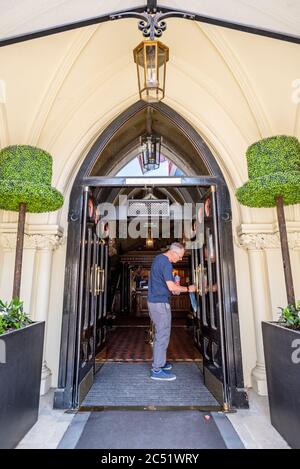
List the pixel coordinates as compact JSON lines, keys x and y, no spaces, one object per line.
{"x":177,"y":247}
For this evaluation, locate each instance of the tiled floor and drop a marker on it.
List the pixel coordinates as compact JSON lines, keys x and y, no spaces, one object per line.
{"x":128,"y":344}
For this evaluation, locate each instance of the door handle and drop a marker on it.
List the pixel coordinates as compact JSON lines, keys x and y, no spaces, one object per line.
{"x":100,"y":283}
{"x":198,"y":279}
{"x":92,"y":280}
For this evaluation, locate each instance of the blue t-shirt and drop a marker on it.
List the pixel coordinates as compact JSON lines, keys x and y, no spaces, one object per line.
{"x":161,"y":272}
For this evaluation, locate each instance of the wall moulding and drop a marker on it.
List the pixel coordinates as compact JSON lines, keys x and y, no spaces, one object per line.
{"x":266,"y":236}
{"x":36,"y":236}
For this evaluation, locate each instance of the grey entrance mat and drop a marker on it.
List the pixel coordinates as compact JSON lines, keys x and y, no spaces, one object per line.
{"x":150,"y":430}
{"x":129,"y":384}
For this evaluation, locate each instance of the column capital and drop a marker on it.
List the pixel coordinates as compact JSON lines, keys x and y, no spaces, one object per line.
{"x":41,"y":237}
{"x":259,"y":241}
{"x":43,"y":241}
{"x":259,"y":236}
{"x":294,"y":240}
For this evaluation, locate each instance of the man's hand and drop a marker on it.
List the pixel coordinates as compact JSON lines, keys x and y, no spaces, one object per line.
{"x":192,"y":288}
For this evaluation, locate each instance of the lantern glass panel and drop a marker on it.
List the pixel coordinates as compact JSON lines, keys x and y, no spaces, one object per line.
{"x":139,"y":59}
{"x":151,"y":148}
{"x":150,"y":55}
{"x":151,"y":58}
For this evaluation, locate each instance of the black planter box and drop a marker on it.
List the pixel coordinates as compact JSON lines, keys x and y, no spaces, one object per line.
{"x":20,"y":381}
{"x":282,"y":357}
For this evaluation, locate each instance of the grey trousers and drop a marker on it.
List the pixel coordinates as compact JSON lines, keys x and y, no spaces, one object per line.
{"x":160,"y":314}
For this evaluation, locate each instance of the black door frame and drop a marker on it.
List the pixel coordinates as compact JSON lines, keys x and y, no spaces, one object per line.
{"x":65,"y":394}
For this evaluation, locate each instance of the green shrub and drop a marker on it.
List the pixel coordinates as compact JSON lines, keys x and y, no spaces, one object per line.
{"x":274,"y":170}
{"x":290,"y":316}
{"x":279,"y":154}
{"x":12,"y":316}
{"x":261,"y":192}
{"x":2,"y":325}
{"x":25,"y":177}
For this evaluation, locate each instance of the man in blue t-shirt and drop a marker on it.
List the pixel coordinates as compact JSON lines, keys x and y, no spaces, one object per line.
{"x":160,"y":287}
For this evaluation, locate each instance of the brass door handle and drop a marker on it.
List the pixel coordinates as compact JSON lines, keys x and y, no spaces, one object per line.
{"x":198,"y":279}
{"x":92,"y":279}
{"x":100,"y":283}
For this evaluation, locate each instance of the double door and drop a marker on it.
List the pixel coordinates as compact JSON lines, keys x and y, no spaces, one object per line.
{"x":92,"y":298}
{"x":209,"y":320}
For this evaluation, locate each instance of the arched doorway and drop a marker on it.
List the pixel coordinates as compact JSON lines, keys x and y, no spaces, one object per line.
{"x":186,"y":148}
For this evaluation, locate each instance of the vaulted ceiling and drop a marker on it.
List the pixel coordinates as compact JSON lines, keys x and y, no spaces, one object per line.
{"x":60,"y":92}
{"x":21,"y":17}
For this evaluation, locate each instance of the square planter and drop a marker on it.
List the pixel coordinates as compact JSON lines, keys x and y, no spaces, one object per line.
{"x":20,"y":380}
{"x":282,"y":357}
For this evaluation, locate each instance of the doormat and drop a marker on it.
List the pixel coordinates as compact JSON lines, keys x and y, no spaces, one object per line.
{"x":151,"y":430}
{"x":129,"y":385}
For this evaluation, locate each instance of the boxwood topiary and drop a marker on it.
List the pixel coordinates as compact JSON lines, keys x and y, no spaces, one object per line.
{"x":274,"y":170}
{"x":25,"y":177}
{"x":274,"y":180}
{"x":25,"y":186}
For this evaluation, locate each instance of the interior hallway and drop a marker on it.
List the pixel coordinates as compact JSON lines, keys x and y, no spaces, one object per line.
{"x":130,"y":343}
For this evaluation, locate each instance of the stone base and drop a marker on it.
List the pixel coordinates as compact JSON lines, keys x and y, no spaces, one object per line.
{"x":46,"y":380}
{"x":259,"y":380}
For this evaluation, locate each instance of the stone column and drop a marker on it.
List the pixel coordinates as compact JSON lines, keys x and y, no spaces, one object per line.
{"x":294,"y":243}
{"x":262,"y":312}
{"x":256,"y":244}
{"x":8,"y":244}
{"x":45,"y":245}
{"x":42,"y":240}
{"x":276,"y":280}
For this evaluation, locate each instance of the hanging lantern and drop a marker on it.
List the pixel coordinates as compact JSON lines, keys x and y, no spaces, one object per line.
{"x":151,"y":58}
{"x":150,"y":148}
{"x":149,"y":240}
{"x":149,"y":243}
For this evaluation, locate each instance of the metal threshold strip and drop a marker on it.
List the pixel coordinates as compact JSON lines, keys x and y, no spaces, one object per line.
{"x":203,"y":408}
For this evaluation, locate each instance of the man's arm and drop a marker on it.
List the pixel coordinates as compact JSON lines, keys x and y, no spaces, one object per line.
{"x":174,"y":288}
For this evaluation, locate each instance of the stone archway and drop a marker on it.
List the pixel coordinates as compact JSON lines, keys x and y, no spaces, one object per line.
{"x":201,"y":161}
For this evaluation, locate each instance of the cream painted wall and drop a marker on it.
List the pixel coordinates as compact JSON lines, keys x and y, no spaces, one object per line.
{"x":234,"y":88}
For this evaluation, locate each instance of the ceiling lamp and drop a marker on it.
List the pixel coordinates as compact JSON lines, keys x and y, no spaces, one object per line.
{"x":149,"y":241}
{"x":151,"y":55}
{"x":150,"y":146}
{"x":151,"y":58}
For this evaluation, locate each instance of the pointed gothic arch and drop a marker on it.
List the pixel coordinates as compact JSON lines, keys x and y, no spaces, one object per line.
{"x":64,"y":395}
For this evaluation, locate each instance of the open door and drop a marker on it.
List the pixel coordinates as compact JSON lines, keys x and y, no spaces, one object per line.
{"x":208,"y":320}
{"x":92,"y":299}
{"x":86,"y":285}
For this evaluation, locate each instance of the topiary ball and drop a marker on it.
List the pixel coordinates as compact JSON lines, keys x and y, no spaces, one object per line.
{"x":274,"y":170}
{"x":25,"y":177}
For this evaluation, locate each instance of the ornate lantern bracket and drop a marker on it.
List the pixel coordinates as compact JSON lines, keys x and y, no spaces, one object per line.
{"x":152,"y":22}
{"x":151,"y":56}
